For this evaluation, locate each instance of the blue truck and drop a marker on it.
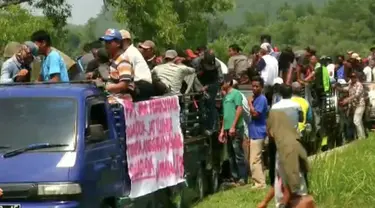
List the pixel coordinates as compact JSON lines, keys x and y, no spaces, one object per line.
{"x":63,"y":146}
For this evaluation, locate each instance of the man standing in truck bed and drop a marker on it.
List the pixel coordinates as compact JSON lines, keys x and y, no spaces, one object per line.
{"x":53,"y":66}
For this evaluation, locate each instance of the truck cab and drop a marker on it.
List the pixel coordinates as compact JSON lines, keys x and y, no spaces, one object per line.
{"x":60,"y":147}
{"x":64,"y":145}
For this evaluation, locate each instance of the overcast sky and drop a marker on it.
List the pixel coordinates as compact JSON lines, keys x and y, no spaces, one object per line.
{"x":83,"y":10}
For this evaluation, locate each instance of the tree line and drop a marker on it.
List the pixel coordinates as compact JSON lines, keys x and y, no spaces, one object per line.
{"x":333,"y":27}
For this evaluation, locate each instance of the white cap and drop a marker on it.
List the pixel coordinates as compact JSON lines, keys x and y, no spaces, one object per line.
{"x":355,"y":56}
{"x":341,"y":81}
{"x":278,"y":80}
{"x":266,"y":47}
{"x":172,"y":54}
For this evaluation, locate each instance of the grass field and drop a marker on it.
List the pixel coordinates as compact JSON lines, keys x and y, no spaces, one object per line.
{"x":340,"y":179}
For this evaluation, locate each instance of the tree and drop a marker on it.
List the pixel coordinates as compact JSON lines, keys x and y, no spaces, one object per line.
{"x":169,"y":22}
{"x":19,"y":24}
{"x":57,"y":11}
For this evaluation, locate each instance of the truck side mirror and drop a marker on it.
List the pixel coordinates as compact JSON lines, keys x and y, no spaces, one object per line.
{"x":95,"y":133}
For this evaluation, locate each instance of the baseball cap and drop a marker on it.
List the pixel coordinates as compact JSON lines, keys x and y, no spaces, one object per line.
{"x":147,"y":44}
{"x":278,"y":80}
{"x":190,"y":53}
{"x":11,"y":48}
{"x":355,"y":56}
{"x":266,"y":46}
{"x":172,"y":54}
{"x":111,"y":34}
{"x":32,"y":47}
{"x":125,"y":34}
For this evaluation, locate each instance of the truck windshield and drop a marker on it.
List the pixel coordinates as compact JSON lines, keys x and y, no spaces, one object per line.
{"x":26,"y":121}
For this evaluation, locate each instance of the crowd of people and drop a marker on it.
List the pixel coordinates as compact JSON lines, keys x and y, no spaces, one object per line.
{"x":288,"y":91}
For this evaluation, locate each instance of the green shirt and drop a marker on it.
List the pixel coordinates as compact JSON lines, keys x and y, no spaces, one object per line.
{"x":230,"y":103}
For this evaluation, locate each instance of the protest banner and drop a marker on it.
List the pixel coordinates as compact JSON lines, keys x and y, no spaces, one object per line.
{"x":154,"y":144}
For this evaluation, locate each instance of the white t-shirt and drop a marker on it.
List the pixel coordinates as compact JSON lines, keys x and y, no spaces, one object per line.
{"x":270,"y":71}
{"x":224,"y":68}
{"x":141,"y":69}
{"x":331,"y":70}
{"x":368,"y":72}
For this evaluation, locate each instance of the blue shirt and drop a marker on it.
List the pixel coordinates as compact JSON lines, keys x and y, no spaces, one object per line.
{"x":54,"y":64}
{"x":257,"y":126}
{"x":340,"y":72}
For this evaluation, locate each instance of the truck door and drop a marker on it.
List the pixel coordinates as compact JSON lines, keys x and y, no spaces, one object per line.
{"x":103,"y":157}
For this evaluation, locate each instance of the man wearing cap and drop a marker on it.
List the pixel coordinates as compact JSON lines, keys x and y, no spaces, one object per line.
{"x":142,"y":73}
{"x":268,"y":67}
{"x":172,"y":74}
{"x":121,"y":80}
{"x":147,"y":49}
{"x":17,"y":68}
{"x":53,"y":65}
{"x":265,"y":38}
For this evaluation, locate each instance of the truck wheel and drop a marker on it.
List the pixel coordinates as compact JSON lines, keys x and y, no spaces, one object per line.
{"x":200,"y":185}
{"x":215,"y":184}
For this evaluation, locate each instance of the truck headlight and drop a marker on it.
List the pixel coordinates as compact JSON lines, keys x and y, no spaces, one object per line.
{"x":59,"y":189}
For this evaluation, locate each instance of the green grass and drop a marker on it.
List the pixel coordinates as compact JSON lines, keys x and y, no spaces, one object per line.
{"x":341,"y":179}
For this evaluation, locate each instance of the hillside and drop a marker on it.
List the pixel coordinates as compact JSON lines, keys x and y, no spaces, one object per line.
{"x":235,"y":17}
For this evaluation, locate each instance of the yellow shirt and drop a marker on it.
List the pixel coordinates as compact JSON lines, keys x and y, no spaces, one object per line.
{"x":305,"y":107}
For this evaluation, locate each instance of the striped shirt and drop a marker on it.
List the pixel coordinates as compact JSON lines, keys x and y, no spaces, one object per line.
{"x":121,"y":70}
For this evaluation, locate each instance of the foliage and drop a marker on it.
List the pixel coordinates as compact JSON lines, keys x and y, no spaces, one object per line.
{"x":170,"y":22}
{"x":350,"y":27}
{"x":340,"y":179}
{"x":19,"y":24}
{"x":236,"y":18}
{"x":57,"y":11}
